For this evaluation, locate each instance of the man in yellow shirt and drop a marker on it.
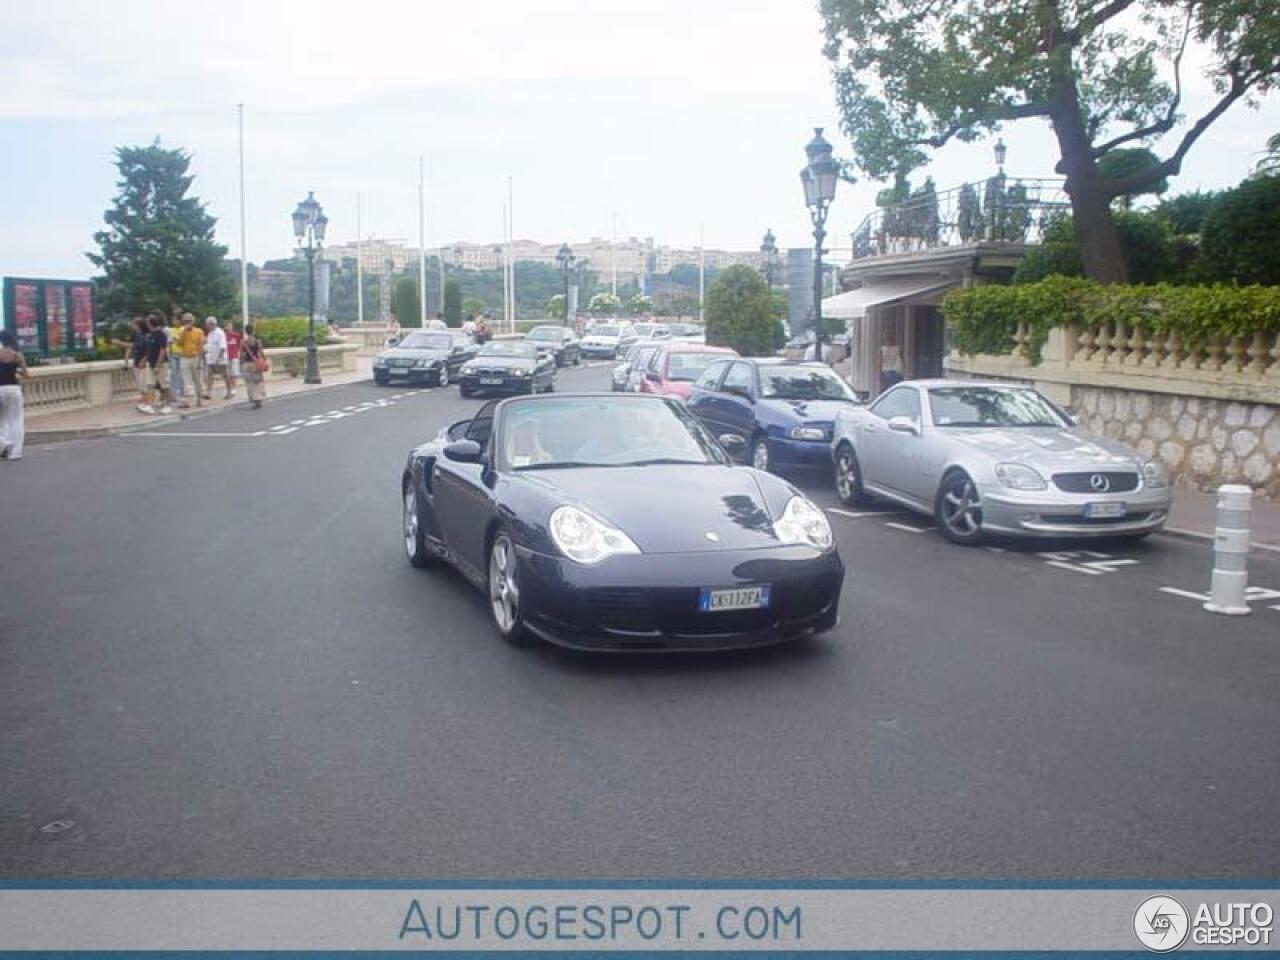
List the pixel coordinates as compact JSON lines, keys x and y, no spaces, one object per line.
{"x":190,"y":346}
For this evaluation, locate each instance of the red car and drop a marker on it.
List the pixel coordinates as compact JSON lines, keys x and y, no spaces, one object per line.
{"x":674,"y":367}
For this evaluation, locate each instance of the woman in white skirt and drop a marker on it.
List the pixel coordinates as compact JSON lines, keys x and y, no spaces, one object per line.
{"x":253,"y":360}
{"x":13,"y":367}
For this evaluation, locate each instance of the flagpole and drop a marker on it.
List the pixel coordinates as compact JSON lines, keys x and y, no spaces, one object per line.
{"x":422,"y":246}
{"x":702,"y":315}
{"x":511,"y":264}
{"x":506,"y":273}
{"x":359,"y":265}
{"x":244,"y":253}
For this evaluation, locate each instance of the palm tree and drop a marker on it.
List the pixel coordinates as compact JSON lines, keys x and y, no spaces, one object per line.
{"x":1270,"y":163}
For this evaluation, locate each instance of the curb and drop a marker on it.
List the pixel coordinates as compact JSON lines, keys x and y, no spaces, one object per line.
{"x":39,"y":437}
{"x":1182,"y":533}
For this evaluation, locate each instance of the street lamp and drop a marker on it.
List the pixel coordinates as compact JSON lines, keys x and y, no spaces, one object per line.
{"x":769,"y":251}
{"x":309,"y":224}
{"x":1001,"y":151}
{"x":819,"y":179}
{"x":564,"y":257}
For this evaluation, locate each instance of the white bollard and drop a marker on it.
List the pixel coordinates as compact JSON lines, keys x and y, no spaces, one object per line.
{"x":1231,"y":551}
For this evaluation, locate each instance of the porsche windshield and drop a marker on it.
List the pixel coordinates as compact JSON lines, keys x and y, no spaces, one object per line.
{"x":607,"y":330}
{"x":991,"y":407}
{"x":601,"y":432}
{"x":802,"y":383}
{"x":553,"y":334}
{"x":689,"y":366}
{"x":427,"y":341}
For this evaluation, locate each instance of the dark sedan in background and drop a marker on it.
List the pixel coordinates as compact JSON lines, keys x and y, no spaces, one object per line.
{"x":424,"y":356}
{"x":508,"y":366}
{"x":773,"y":413}
{"x":616,"y":522}
{"x":561,"y":341}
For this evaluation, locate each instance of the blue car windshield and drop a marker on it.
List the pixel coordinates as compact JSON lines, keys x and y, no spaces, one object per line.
{"x":802,"y":383}
{"x":991,"y":407}
{"x":564,"y":432}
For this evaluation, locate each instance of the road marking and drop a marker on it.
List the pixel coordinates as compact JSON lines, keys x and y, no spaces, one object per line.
{"x":907,"y":528}
{"x":860,"y":514}
{"x":1251,"y":595}
{"x":1097,"y":564}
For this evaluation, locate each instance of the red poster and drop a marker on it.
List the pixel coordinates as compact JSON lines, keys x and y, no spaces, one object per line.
{"x":82,"y":316}
{"x":55,"y":318}
{"x":26,"y":322}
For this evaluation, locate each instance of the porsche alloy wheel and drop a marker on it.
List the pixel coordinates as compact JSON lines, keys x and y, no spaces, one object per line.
{"x":414,"y":546}
{"x":760,"y":455}
{"x":443,"y":378}
{"x":504,"y":591}
{"x":848,"y":477}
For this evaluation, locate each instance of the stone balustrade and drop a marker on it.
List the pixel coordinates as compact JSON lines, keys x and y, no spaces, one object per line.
{"x":1210,"y":411}
{"x":61,"y":387}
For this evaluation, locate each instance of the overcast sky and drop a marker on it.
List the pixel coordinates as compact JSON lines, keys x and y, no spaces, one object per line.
{"x":671,"y":114}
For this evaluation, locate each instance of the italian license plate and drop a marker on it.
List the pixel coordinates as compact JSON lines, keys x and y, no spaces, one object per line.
{"x":736,"y":598}
{"x":491,"y":381}
{"x":1104,"y":511}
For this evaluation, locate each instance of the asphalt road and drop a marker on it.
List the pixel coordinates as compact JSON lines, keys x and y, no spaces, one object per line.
{"x":215,"y":663}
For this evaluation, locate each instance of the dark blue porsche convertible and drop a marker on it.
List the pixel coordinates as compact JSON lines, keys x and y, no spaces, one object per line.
{"x":618,"y":522}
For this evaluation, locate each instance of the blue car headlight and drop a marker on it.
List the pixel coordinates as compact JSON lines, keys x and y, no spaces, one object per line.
{"x":584,"y":539}
{"x":1018,"y":476}
{"x":808,"y":433}
{"x":803,"y":522}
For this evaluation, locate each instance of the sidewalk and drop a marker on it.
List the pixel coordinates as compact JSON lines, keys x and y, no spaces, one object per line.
{"x":1195,"y":513}
{"x":124,"y":417}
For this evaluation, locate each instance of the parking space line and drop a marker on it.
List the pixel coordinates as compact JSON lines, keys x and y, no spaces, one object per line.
{"x":858,"y":515}
{"x":907,"y":527}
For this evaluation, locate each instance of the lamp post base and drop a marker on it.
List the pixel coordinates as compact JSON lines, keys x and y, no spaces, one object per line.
{"x":312,"y":372}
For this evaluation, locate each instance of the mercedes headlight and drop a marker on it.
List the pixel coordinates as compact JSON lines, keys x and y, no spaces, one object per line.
{"x":584,"y":539}
{"x":808,"y":433}
{"x":1018,"y":476}
{"x":803,"y":522}
{"x":1154,"y":475}
{"x":379,"y":361}
{"x":519,"y":372}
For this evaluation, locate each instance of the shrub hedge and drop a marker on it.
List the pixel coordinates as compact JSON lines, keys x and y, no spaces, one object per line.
{"x":287,"y":332}
{"x":984,"y":319}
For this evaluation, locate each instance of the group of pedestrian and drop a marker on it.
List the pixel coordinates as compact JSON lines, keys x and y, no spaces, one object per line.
{"x":178,"y":363}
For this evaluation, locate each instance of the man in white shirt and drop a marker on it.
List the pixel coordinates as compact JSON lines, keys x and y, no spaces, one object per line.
{"x":215,"y":355}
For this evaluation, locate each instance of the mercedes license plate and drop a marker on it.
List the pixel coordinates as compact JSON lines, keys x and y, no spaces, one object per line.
{"x":1104,"y":511}
{"x":737,"y":598}
{"x":491,"y":381}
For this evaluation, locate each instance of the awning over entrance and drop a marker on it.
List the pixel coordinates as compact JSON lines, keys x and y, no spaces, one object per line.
{"x":853,"y":304}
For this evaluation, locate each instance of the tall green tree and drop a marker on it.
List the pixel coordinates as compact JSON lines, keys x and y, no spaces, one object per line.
{"x":911,"y":75}
{"x":555,"y":307}
{"x":452,"y":302}
{"x":405,"y":303}
{"x":739,"y":312}
{"x":157,"y":251}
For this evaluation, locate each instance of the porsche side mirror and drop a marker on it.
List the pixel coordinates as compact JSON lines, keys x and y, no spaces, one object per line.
{"x":732,"y":443}
{"x":905,"y":425}
{"x":464,"y":451}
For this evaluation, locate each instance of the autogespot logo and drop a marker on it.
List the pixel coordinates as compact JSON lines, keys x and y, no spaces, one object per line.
{"x":1161,"y":923}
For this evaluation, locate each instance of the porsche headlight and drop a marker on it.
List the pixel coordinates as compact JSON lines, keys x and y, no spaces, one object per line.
{"x":1154,"y":475}
{"x":803,"y":522}
{"x":584,"y":539}
{"x":808,"y":433}
{"x":1018,"y":476}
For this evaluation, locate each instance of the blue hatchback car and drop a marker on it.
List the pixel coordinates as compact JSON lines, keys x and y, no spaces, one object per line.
{"x":774,"y":414}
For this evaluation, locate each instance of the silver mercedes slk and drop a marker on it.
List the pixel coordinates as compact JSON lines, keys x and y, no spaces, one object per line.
{"x":994,"y":458}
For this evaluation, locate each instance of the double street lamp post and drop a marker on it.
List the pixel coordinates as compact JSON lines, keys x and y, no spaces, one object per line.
{"x":819,"y":179}
{"x":564,"y":257}
{"x":309,"y":223}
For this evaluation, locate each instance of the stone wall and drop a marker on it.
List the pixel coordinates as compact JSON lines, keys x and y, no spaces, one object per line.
{"x":1203,"y":442}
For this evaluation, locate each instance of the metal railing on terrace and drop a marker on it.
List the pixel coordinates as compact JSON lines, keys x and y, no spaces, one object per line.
{"x":998,"y":210}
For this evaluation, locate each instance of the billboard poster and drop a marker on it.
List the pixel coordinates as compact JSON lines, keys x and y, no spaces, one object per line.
{"x":82,"y":316}
{"x":55,"y":318}
{"x":26,"y":316}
